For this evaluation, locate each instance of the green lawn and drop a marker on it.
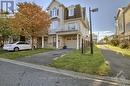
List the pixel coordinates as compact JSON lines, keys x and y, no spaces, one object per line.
{"x":118,"y":49}
{"x":84,"y":63}
{"x":14,"y":55}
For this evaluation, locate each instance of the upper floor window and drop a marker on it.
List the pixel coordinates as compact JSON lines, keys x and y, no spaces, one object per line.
{"x":54,"y":12}
{"x":71,"y":26}
{"x":71,"y":11}
{"x":54,"y":25}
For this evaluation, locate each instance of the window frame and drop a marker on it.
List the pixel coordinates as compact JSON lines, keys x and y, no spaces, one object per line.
{"x":71,"y":12}
{"x":54,"y":25}
{"x":54,"y":12}
{"x":72,"y":26}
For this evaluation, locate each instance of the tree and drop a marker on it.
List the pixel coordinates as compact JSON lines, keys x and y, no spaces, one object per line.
{"x":5,"y":29}
{"x":106,"y":39}
{"x":31,"y":20}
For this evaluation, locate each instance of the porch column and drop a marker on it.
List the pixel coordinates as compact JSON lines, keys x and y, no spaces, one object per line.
{"x":57,"y":41}
{"x":77,"y":41}
{"x":42,"y":41}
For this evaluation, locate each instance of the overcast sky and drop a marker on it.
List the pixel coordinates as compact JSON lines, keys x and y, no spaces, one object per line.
{"x":103,"y":20}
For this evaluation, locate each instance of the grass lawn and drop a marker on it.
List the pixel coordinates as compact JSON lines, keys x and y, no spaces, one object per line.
{"x":118,"y":49}
{"x":14,"y":55}
{"x":84,"y":63}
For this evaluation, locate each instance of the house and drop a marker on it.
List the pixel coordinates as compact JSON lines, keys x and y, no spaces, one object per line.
{"x":69,"y":26}
{"x":120,"y":26}
{"x":123,"y":23}
{"x":127,"y":22}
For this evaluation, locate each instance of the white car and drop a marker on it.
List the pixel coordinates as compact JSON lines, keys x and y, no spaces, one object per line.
{"x":20,"y":45}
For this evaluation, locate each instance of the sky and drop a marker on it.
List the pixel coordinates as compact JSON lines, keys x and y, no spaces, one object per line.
{"x":102,"y":21}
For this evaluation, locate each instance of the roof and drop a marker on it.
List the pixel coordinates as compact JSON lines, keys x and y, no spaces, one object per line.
{"x":119,"y":10}
{"x":53,"y":2}
{"x":127,"y":8}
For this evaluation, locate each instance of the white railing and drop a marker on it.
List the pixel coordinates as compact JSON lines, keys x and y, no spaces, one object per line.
{"x":62,"y":30}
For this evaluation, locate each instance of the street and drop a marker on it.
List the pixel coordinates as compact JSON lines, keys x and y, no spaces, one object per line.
{"x":18,"y":75}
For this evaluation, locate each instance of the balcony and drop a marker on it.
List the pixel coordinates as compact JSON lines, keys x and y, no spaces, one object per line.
{"x":64,"y":31}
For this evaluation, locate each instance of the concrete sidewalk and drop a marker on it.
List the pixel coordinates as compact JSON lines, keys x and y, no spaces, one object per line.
{"x":44,"y":58}
{"x":15,"y":73}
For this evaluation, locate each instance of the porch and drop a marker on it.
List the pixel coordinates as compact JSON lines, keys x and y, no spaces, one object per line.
{"x":61,"y":40}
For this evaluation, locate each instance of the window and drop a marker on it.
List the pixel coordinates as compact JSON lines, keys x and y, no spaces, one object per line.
{"x":54,"y":12}
{"x":54,"y":24}
{"x":74,"y":38}
{"x":71,"y":26}
{"x":71,"y":11}
{"x":21,"y":42}
{"x":68,"y":38}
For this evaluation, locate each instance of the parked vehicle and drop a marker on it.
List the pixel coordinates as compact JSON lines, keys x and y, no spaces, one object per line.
{"x":20,"y":45}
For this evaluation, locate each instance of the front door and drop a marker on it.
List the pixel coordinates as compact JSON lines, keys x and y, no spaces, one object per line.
{"x":39,"y":42}
{"x":54,"y":41}
{"x":45,"y":41}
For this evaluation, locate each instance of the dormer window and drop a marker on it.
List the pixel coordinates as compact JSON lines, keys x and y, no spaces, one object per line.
{"x":54,"y":12}
{"x":71,"y":11}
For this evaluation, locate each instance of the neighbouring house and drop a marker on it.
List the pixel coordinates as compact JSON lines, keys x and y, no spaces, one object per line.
{"x":127,"y":22}
{"x":120,"y":26}
{"x":69,"y":26}
{"x":123,"y":23}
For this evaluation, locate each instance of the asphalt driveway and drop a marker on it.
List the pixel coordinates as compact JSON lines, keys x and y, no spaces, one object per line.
{"x":120,"y":65}
{"x":44,"y":58}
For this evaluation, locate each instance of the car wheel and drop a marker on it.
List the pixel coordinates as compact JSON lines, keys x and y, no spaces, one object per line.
{"x":16,"y":49}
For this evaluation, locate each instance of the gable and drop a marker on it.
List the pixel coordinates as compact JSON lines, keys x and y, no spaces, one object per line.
{"x":120,"y":12}
{"x":54,"y":3}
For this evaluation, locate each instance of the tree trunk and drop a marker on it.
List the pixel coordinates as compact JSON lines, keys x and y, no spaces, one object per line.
{"x":3,"y":40}
{"x":33,"y":43}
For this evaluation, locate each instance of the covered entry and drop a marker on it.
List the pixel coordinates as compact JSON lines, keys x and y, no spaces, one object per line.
{"x":69,"y":40}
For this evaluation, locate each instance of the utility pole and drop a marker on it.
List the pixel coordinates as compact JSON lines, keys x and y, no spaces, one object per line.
{"x":91,"y":36}
{"x":82,"y":46}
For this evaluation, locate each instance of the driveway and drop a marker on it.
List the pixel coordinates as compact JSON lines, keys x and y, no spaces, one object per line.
{"x":14,"y":73}
{"x":44,"y":58}
{"x":120,"y":65}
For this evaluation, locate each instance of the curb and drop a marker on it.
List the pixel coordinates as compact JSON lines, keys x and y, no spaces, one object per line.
{"x":110,"y":80}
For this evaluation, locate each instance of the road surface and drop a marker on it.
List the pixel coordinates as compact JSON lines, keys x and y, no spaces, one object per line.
{"x":12,"y":74}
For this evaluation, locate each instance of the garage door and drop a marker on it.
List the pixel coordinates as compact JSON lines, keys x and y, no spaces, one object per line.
{"x":71,"y":42}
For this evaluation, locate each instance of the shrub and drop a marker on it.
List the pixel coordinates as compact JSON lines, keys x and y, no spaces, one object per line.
{"x":124,"y":44}
{"x":115,"y":42}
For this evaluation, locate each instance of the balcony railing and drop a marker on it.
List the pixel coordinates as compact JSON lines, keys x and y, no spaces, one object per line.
{"x":63,"y":30}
